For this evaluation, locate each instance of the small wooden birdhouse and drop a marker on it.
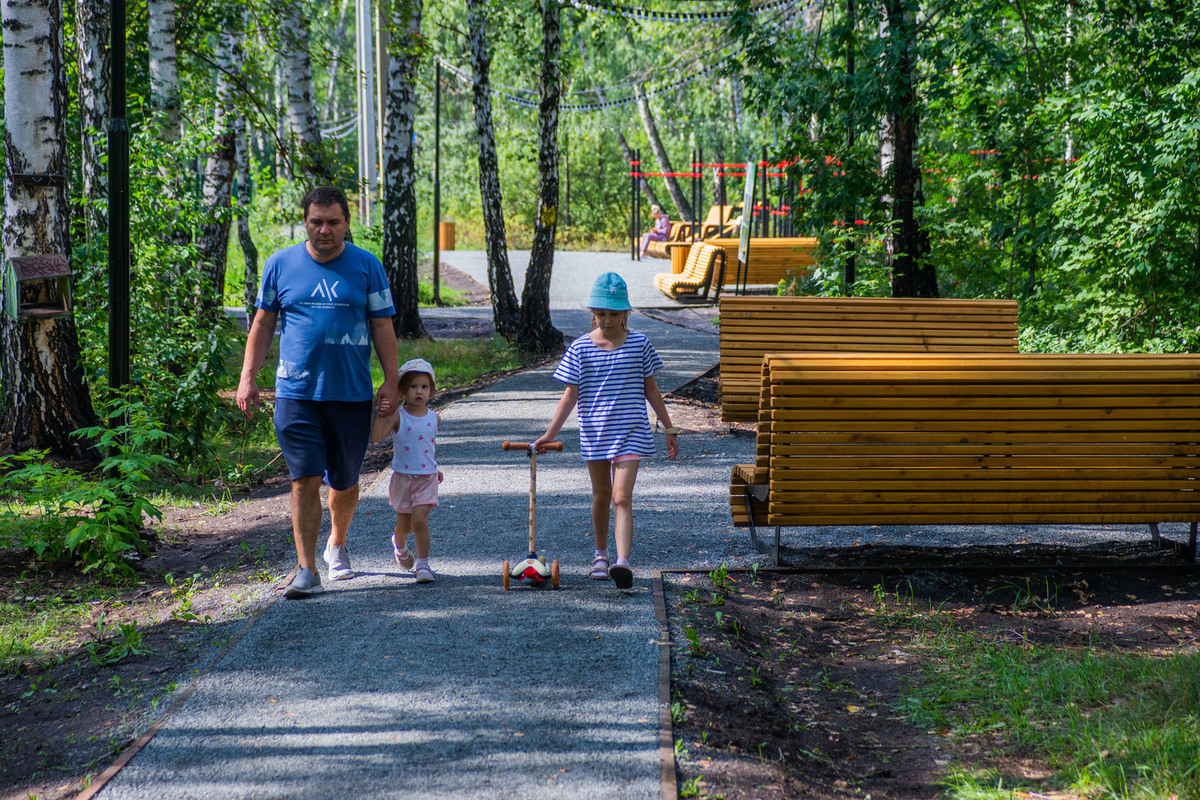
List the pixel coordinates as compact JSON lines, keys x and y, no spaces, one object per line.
{"x":37,"y":287}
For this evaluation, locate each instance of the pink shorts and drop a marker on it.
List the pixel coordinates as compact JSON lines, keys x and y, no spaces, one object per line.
{"x":406,"y":491}
{"x":630,"y":457}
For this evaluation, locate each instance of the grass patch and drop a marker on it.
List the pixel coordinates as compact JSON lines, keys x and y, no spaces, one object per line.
{"x":35,"y":630}
{"x":1105,"y":724}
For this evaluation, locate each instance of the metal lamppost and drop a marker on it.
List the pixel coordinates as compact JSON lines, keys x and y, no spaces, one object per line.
{"x":118,"y":209}
{"x":437,"y":182}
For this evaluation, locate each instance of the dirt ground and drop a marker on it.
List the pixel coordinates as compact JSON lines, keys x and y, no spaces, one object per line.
{"x":65,"y":718}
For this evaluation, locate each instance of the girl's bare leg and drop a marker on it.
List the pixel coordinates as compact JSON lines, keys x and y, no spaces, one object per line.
{"x":624,"y":474}
{"x":404,"y":524}
{"x":602,"y":491}
{"x":420,"y":529}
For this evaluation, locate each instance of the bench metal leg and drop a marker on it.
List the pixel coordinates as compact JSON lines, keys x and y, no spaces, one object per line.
{"x":1190,"y":552}
{"x":759,"y":547}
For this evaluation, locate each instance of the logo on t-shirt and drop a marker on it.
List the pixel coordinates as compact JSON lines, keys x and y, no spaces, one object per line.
{"x":325,"y":290}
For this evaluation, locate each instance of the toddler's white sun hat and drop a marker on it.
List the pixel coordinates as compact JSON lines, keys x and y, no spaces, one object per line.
{"x":417,"y":365}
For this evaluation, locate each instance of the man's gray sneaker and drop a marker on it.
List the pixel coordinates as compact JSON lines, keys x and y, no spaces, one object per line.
{"x":305,"y":584}
{"x":337,"y":558}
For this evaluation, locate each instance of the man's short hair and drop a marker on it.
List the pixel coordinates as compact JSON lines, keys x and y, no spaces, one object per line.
{"x":326,"y":196}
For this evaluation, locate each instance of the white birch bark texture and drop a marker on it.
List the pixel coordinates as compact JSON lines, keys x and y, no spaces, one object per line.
{"x":302,"y":118}
{"x":43,"y":397}
{"x":164,"y":67}
{"x":340,"y":46}
{"x":505,"y":312}
{"x":400,"y":177}
{"x":249,"y":249}
{"x":213,"y":242}
{"x":660,"y":155}
{"x":92,"y":23}
{"x":537,"y":332}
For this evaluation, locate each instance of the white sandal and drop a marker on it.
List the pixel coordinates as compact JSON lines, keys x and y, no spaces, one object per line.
{"x":599,"y":569}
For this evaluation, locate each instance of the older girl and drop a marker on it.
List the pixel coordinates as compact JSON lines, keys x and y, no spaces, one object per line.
{"x":609,"y":375}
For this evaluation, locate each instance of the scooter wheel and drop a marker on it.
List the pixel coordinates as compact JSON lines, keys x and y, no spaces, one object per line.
{"x":507,"y":576}
{"x":554,"y":573}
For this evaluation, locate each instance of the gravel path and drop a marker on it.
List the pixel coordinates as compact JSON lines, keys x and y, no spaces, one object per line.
{"x":383,"y":688}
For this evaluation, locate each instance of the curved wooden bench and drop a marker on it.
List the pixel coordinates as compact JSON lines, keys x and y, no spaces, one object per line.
{"x":770,"y":260}
{"x":1005,"y":438}
{"x":753,"y":326}
{"x":702,"y":275}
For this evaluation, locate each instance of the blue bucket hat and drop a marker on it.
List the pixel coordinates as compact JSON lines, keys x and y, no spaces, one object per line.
{"x":610,"y":292}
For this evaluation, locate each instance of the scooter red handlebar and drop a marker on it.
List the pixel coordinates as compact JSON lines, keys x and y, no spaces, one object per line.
{"x":525,"y":445}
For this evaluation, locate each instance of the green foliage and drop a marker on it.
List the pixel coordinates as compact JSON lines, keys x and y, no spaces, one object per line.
{"x":115,"y":642}
{"x":56,"y":513}
{"x":178,"y":357}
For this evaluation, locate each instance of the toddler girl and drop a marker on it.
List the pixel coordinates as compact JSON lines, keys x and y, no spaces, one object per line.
{"x":415,"y":476}
{"x":609,"y":373}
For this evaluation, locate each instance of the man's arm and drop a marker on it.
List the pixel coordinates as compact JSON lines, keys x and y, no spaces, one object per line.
{"x":383,"y":336}
{"x":258,"y":342}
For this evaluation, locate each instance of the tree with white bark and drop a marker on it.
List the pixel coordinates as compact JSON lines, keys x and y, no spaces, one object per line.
{"x":309,"y":151}
{"x":44,"y":397}
{"x":400,"y":177}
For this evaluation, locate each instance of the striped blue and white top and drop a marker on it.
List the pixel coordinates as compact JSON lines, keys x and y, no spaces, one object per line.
{"x":612,"y":395}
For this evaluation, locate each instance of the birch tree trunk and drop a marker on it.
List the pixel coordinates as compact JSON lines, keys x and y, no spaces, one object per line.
{"x":536,"y":331}
{"x":92,"y":24}
{"x":400,"y":176}
{"x":164,"y":67}
{"x":309,"y":149}
{"x":908,"y":247}
{"x":213,"y":242}
{"x":241,"y":148}
{"x":43,"y":397}
{"x":660,"y":155}
{"x":505,"y":312}
{"x":330,"y":112}
{"x":602,"y":96}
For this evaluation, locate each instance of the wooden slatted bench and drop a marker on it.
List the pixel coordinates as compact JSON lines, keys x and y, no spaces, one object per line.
{"x":753,"y":326}
{"x":771,"y":260}
{"x":701,"y":278}
{"x":975,"y":438}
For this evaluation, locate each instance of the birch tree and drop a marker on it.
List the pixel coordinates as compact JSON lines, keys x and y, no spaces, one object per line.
{"x":309,"y":152}
{"x":536,"y":331}
{"x":602,"y":97}
{"x":164,"y":67}
{"x":241,"y":147}
{"x":217,"y":191}
{"x":400,"y":193}
{"x":505,"y":311}
{"x":44,"y":397}
{"x":660,"y":154}
{"x":92,"y":24}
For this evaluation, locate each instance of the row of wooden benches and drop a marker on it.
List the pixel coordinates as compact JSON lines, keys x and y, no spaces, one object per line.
{"x":882,"y":411}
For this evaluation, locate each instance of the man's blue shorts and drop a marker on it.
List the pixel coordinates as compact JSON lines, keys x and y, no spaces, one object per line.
{"x":323,"y":437}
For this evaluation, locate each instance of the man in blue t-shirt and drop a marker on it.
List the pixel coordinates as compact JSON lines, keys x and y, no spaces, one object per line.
{"x":333,"y":302}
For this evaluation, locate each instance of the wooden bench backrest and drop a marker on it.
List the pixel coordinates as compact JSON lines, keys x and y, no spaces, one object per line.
{"x":929,"y":438}
{"x":753,"y":326}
